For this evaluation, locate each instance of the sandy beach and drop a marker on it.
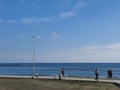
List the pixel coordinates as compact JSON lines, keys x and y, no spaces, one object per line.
{"x":51,"y":84}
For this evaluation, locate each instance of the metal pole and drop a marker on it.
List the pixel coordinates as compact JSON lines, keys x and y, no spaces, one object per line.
{"x":33,"y":56}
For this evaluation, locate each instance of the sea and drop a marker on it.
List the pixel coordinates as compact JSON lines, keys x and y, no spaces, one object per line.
{"x":53,"y":69}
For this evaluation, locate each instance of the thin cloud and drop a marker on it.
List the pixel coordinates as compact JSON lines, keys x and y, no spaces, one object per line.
{"x":73,"y":12}
{"x":79,"y":5}
{"x":22,"y":2}
{"x":115,"y":46}
{"x":34,"y":20}
{"x":1,"y":20}
{"x":97,"y":53}
{"x":101,"y":53}
{"x":67,"y":14}
{"x":21,"y":36}
{"x":11,"y":21}
{"x":27,"y":20}
{"x":55,"y":35}
{"x":8,"y":21}
{"x":45,"y":19}
{"x":34,"y":4}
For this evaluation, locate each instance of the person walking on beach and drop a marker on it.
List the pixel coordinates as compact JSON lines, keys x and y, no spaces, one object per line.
{"x":96,"y":74}
{"x":62,"y":72}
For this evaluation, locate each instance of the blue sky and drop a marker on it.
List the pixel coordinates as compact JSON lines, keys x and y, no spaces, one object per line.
{"x":65,"y":30}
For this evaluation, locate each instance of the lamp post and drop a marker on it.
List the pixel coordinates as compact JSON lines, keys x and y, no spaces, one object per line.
{"x":33,"y":57}
{"x":34,"y":37}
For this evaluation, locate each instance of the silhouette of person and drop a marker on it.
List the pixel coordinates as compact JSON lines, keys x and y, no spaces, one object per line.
{"x":110,"y":72}
{"x":96,"y":74}
{"x":62,"y":72}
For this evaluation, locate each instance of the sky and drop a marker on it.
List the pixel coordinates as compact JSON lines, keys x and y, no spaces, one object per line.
{"x":64,"y":30}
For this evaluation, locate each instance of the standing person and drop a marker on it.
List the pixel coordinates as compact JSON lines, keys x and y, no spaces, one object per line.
{"x":62,"y":72}
{"x":59,"y":76}
{"x":110,"y":72}
{"x":96,"y":74}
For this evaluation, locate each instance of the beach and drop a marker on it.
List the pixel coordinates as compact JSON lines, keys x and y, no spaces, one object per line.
{"x":52,"y":84}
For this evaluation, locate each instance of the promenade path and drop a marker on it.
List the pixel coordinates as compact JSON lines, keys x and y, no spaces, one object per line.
{"x":116,"y":81}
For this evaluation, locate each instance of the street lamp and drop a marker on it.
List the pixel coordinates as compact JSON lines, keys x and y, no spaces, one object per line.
{"x":34,"y":37}
{"x":33,"y":57}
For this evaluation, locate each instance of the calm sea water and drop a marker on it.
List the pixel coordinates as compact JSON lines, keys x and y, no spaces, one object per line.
{"x":71,"y":69}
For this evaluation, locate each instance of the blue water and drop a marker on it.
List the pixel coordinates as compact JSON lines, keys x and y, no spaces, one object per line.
{"x":71,"y":69}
